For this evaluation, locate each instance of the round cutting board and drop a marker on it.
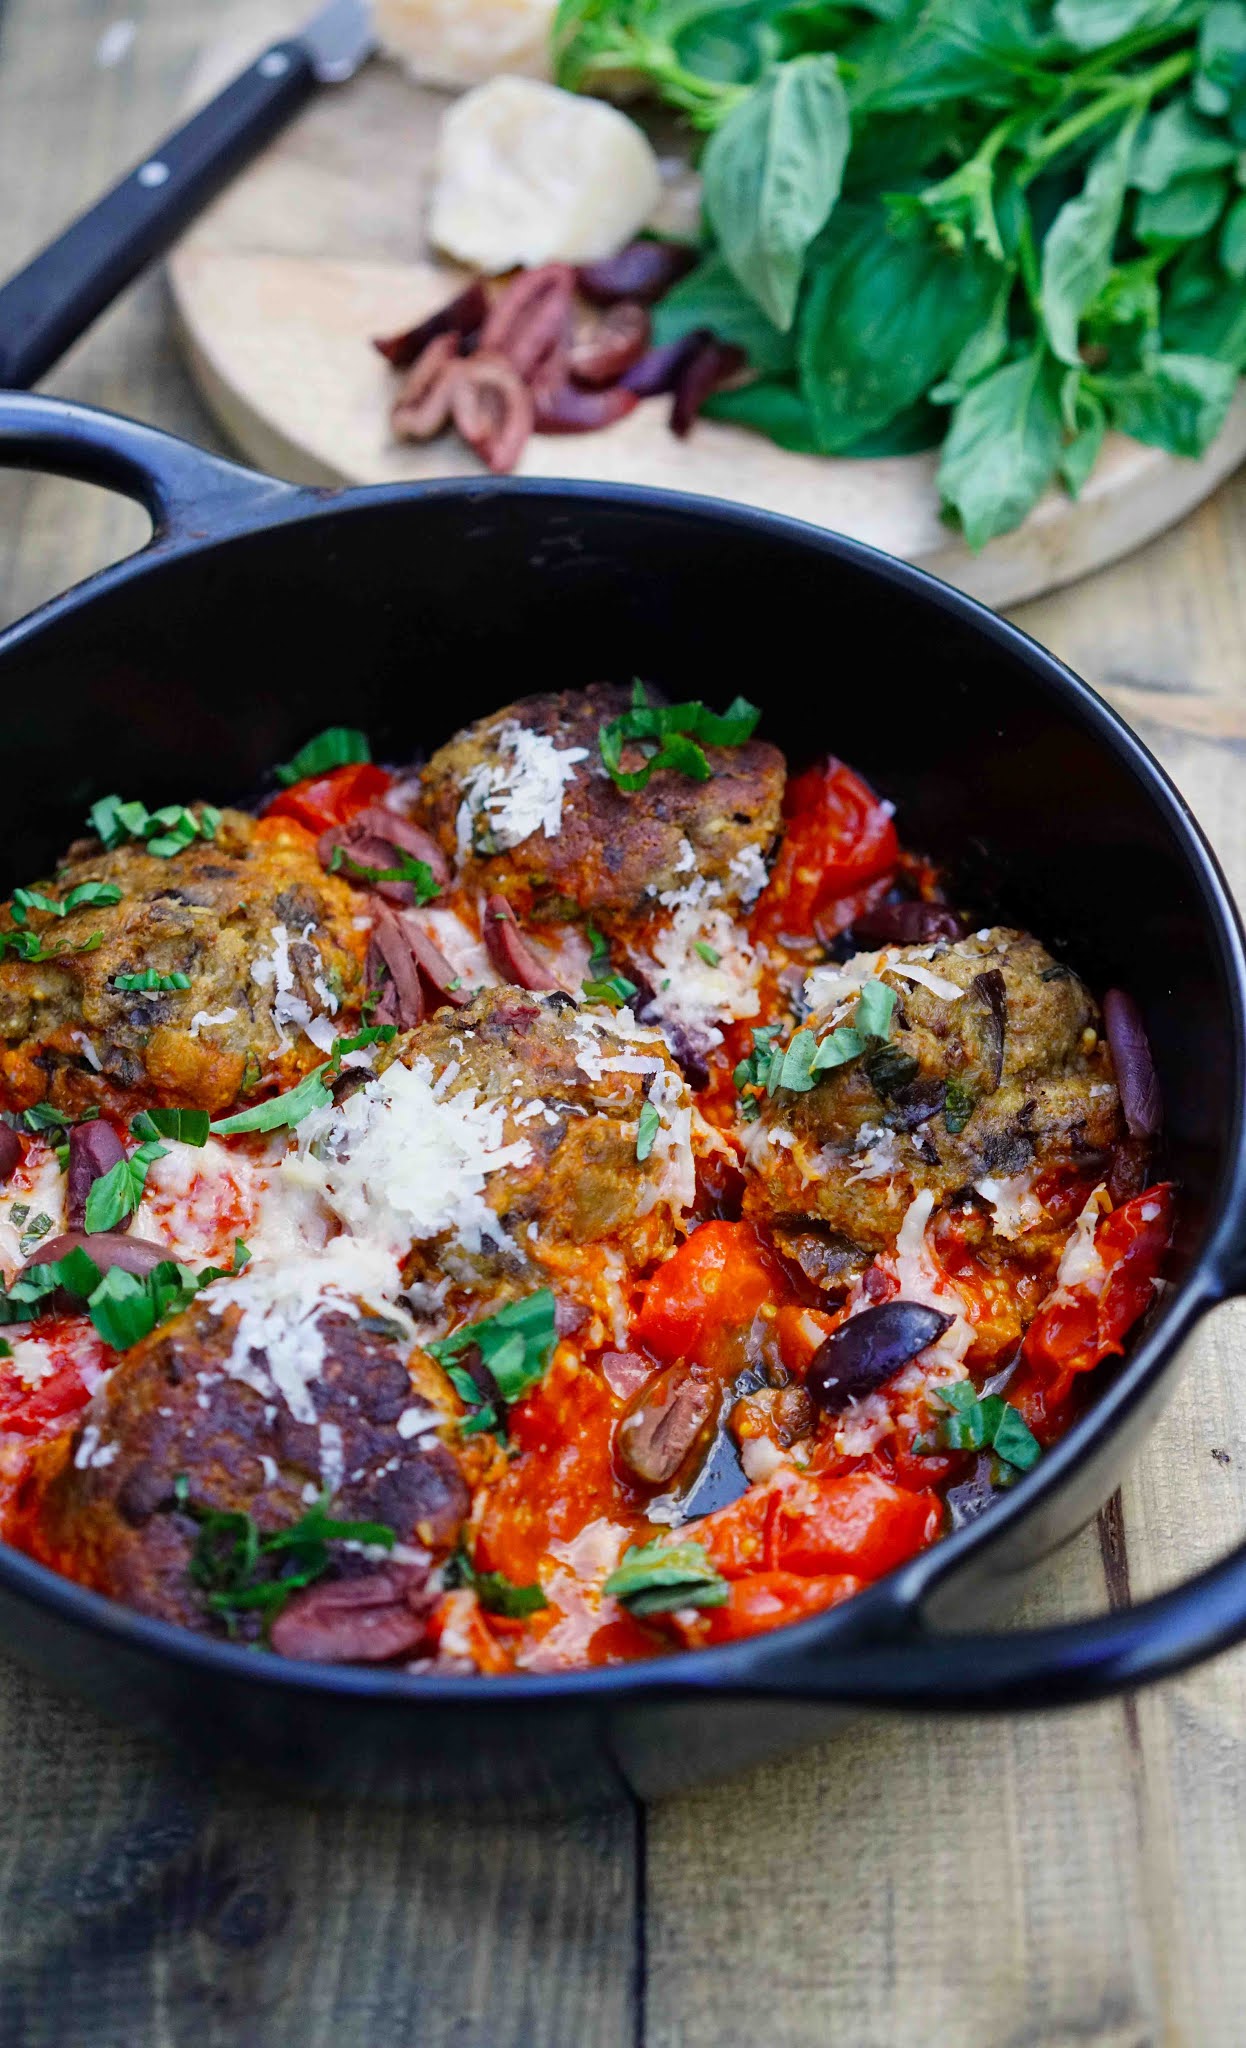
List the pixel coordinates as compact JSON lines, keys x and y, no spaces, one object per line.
{"x":320,"y":245}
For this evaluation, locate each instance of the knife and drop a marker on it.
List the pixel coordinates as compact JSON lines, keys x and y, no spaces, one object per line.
{"x":61,"y":291}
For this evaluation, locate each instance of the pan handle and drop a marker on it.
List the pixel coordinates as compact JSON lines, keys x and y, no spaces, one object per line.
{"x":898,"y":1660}
{"x":187,"y":493}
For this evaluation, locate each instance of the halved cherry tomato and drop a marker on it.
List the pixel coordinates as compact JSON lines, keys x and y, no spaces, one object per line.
{"x":322,"y":801}
{"x":1082,"y":1325}
{"x":853,"y":1522}
{"x":561,"y":1478}
{"x":839,"y":837}
{"x":29,"y":1410}
{"x":707,"y":1293}
{"x":766,"y":1600}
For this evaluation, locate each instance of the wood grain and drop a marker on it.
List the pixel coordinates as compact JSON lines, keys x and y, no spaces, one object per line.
{"x":1048,"y":1882}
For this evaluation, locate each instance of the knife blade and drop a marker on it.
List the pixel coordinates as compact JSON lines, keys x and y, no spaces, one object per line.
{"x":63,"y":289}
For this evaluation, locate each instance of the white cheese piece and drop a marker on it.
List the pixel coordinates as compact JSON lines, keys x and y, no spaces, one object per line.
{"x":203,"y":1018}
{"x":458,"y":43}
{"x":276,"y":969}
{"x":750,"y":872}
{"x":696,"y":991}
{"x":517,"y":793}
{"x":878,"y":1150}
{"x":277,"y":1347}
{"x":528,"y":174}
{"x":922,"y":1279}
{"x":1080,"y":1264}
{"x":1015,"y":1208}
{"x":672,"y":1146}
{"x":938,"y":984}
{"x":827,"y":987}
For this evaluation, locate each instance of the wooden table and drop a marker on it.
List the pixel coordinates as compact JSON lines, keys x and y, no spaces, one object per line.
{"x":1034,"y":1883}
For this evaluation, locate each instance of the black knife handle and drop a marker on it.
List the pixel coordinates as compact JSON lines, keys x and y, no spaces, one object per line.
{"x":68,"y":285}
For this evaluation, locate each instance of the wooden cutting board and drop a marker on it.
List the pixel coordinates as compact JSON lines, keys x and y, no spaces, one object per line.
{"x":321,"y":245}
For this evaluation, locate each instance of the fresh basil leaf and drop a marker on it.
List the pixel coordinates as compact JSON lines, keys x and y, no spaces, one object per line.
{"x":126,"y":1307}
{"x":76,"y":1273}
{"x":796,"y":1072}
{"x":516,"y":1343}
{"x":674,"y":730}
{"x":187,"y":1126}
{"x":239,"y":1570}
{"x":647,"y":1129}
{"x":1186,"y":209}
{"x":408,"y":869}
{"x":1077,"y":252}
{"x":1014,"y":1440}
{"x":1094,"y":24}
{"x":986,"y":347}
{"x":117,"y":1193}
{"x":889,"y":1070}
{"x":658,"y":1577}
{"x":281,"y":1112}
{"x":339,"y":747}
{"x":1003,"y":446}
{"x":838,"y":1047}
{"x":960,"y":207}
{"x":1176,"y":402}
{"x":1079,"y":456}
{"x":876,"y":1008}
{"x":710,"y":297}
{"x":776,"y":410}
{"x":87,"y":895}
{"x":772,"y":173}
{"x":44,"y":1116}
{"x":372,"y":1034}
{"x":1177,"y":143}
{"x":958,"y":1106}
{"x":884,"y":316}
{"x":496,"y":1593}
{"x":1232,"y":247}
{"x":613,"y":989}
{"x":1211,"y":326}
{"x":1221,"y":71}
{"x":164,"y":832}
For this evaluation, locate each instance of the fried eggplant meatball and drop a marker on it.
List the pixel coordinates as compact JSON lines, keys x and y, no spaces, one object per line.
{"x":196,"y":1402}
{"x":522,"y":802}
{"x":264,"y":939}
{"x":995,"y":1070}
{"x":498,"y":1149}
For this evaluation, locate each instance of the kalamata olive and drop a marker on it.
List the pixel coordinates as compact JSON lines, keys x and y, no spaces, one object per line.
{"x":907,"y":924}
{"x":529,"y":319}
{"x":566,"y":409}
{"x":659,"y":368}
{"x":509,"y":950}
{"x":462,"y":316}
{"x":406,"y":837}
{"x":656,"y":1436}
{"x":402,"y":1000}
{"x":644,"y":271}
{"x":492,"y":409}
{"x":992,"y":991}
{"x":625,"y":1372}
{"x":105,"y":1248}
{"x":611,"y":346}
{"x":701,"y":375}
{"x":369,"y":1618}
{"x":864,"y":1352}
{"x":1135,"y":1069}
{"x":94,"y":1149}
{"x":434,"y":967}
{"x":10,"y":1153}
{"x":422,"y":407}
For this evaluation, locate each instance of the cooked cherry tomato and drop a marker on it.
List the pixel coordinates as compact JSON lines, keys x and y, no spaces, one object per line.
{"x":1083,"y":1324}
{"x":766,"y":1600}
{"x":28,"y":1410}
{"x":561,"y":1478}
{"x":802,"y":1332}
{"x":322,"y":801}
{"x":839,"y":837}
{"x":846,"y":1522}
{"x":707,"y":1293}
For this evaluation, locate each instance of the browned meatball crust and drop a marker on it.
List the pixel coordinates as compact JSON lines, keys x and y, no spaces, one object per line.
{"x":210,"y":912}
{"x":972,"y":1089}
{"x":613,"y":852}
{"x":109,"y":1515}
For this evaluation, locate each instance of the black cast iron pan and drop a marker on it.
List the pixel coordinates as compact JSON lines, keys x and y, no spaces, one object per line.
{"x":260,"y":613}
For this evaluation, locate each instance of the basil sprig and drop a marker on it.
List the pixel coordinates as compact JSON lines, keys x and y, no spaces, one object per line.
{"x":164,"y":832}
{"x":338,"y":747}
{"x":240,"y":1571}
{"x":515,"y":1344}
{"x":670,"y":735}
{"x":658,"y":1577}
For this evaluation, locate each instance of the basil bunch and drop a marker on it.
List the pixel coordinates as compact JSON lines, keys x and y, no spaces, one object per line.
{"x":1001,"y":225}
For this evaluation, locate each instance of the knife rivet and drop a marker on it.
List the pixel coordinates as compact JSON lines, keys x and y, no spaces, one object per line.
{"x":273,"y":65}
{"x":153,"y":173}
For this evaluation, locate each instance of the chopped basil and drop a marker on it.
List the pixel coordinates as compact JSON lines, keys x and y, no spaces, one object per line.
{"x":18,"y":1213}
{"x":496,"y":1593}
{"x":164,"y":832}
{"x":647,"y":1130}
{"x":515,"y":1345}
{"x":150,"y":983}
{"x":670,"y":734}
{"x":44,"y":1117}
{"x":24,"y":945}
{"x":38,"y":1227}
{"x":599,"y":958}
{"x":890,"y":1069}
{"x":126,"y":1307}
{"x":240,"y":1571}
{"x":875,"y":1010}
{"x":752,"y":1070}
{"x":280,"y":1111}
{"x":372,"y":1034}
{"x":655,"y":1578}
{"x":416,"y":872}
{"x":614,"y":989}
{"x":241,"y":1258}
{"x":707,"y":952}
{"x":838,"y":1047}
{"x":957,"y":1108}
{"x":117,"y":1193}
{"x":796,"y":1070}
{"x":187,"y":1126}
{"x":87,"y":895}
{"x":76,"y":1273}
{"x":979,"y":1422}
{"x":6,"y":1349}
{"x":339,"y":747}
{"x":485,"y":1416}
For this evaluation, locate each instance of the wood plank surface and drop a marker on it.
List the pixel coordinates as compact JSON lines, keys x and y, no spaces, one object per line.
{"x":1047,"y":1882}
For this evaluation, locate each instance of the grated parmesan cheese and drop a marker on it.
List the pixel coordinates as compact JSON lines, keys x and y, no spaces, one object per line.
{"x":672,"y":1146}
{"x":276,"y":969}
{"x":518,"y":793}
{"x":277,"y":1347}
{"x":694,"y":994}
{"x":751,"y":873}
{"x":203,"y":1018}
